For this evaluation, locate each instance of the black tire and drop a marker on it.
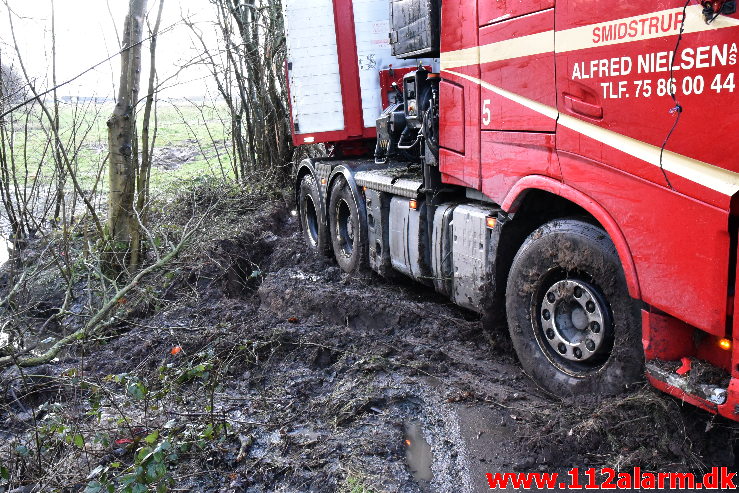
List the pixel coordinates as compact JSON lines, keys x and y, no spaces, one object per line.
{"x":312,"y":220}
{"x":348,"y":235}
{"x":574,"y":327}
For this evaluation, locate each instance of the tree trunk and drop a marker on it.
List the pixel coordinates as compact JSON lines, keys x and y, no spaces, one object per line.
{"x":122,"y":133}
{"x":144,"y":171}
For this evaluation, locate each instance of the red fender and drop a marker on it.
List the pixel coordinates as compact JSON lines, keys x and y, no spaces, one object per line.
{"x":515,"y":196}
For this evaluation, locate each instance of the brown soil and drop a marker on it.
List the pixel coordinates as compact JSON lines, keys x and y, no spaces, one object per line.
{"x":327,"y":382}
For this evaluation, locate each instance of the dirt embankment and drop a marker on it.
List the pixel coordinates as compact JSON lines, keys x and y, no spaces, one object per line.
{"x":264,"y":368}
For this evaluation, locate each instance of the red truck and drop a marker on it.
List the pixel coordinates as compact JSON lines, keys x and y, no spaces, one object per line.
{"x":570,"y":165}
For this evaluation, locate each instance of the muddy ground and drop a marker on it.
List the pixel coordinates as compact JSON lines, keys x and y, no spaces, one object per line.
{"x":265,"y":368}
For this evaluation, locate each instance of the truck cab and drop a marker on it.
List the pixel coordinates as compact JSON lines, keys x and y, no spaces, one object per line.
{"x":568,"y":168}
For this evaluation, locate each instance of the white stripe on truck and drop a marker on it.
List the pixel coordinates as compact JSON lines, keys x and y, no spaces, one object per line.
{"x":708,"y":175}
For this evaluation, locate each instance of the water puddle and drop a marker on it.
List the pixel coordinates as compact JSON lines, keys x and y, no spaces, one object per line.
{"x":418,"y":454}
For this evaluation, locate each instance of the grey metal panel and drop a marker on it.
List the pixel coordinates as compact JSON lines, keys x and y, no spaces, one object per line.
{"x":397,"y":181}
{"x":408,"y":239}
{"x":473,"y":194}
{"x":378,"y":212}
{"x":398,"y":223}
{"x":417,"y":243}
{"x":415,"y":27}
{"x":441,"y":248}
{"x":472,"y":265}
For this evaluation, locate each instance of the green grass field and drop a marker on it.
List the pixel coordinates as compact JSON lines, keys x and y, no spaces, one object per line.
{"x":192,"y":142}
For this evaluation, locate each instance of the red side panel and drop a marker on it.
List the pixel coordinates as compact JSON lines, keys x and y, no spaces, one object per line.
{"x":680,"y":246}
{"x":451,"y":124}
{"x":512,"y":56}
{"x":517,"y":140}
{"x":665,"y":337}
{"x":530,"y":76}
{"x":504,"y":9}
{"x":459,"y":32}
{"x":507,"y":156}
{"x":346,"y":43}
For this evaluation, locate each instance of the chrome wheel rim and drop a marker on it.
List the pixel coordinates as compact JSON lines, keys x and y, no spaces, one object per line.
{"x":575,"y":322}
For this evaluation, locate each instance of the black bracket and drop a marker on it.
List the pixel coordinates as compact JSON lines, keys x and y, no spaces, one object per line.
{"x":713,"y":8}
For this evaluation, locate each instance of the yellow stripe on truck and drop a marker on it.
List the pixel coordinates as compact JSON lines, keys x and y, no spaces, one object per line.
{"x":629,"y":29}
{"x":532,"y":44}
{"x":665,"y":23}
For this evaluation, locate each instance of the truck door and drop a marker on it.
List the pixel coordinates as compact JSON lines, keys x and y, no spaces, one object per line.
{"x":498,"y":69}
{"x":459,"y":95}
{"x":516,"y":64}
{"x":620,"y":140}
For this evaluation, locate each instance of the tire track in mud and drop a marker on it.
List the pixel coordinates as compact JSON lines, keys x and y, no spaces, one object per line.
{"x":476,"y":409}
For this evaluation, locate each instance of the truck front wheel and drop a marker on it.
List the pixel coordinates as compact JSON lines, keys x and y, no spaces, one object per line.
{"x":575,"y":328}
{"x":347,"y":234}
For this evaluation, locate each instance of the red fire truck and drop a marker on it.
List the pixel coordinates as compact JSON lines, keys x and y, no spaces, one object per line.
{"x":568,"y":165}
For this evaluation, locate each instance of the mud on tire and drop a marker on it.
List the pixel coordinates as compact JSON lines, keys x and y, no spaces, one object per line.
{"x":312,"y":222}
{"x":348,"y":235}
{"x":575,"y":328}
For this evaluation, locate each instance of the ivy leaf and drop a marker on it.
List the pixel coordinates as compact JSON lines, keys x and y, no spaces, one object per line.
{"x":93,"y":487}
{"x":152,"y":437}
{"x":79,"y":441}
{"x":207,"y":432}
{"x":136,"y":390}
{"x":143,"y":454}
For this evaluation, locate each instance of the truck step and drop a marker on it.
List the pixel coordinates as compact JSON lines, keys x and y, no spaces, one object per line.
{"x":398,"y":180}
{"x":696,"y":384}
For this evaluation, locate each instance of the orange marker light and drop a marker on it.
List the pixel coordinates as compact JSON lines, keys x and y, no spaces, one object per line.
{"x":412,"y":204}
{"x":724,"y":344}
{"x":490,"y":222}
{"x":323,"y":181}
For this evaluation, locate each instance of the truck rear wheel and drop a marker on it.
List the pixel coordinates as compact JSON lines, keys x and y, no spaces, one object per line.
{"x":348,"y":237}
{"x":311,"y":220}
{"x":575,"y":328}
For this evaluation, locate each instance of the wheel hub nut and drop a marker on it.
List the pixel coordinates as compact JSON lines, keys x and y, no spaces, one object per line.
{"x":572,"y":315}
